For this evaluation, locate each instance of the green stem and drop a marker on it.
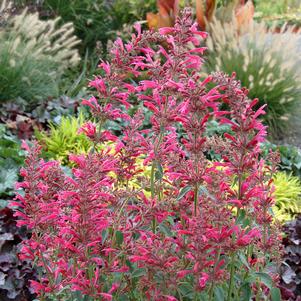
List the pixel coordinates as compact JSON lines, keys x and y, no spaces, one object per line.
{"x":258,"y":291}
{"x":152,"y":187}
{"x":152,"y":180}
{"x":216,"y":260}
{"x":231,"y":284}
{"x":246,"y":274}
{"x":196,"y":199}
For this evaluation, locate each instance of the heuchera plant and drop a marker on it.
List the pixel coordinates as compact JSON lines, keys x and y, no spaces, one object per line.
{"x":191,"y":230}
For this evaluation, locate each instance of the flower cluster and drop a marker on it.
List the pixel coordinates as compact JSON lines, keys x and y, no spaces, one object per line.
{"x":189,"y":228}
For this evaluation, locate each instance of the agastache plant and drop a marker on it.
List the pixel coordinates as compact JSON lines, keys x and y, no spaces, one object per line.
{"x":178,"y":226}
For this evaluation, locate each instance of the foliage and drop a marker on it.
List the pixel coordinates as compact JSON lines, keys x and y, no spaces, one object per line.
{"x":63,"y":139}
{"x":287,"y":196}
{"x":265,"y":63}
{"x":291,"y":268}
{"x":33,"y":56}
{"x":277,"y":7}
{"x":22,"y":122}
{"x":11,"y":158}
{"x":95,"y":20}
{"x":14,"y":273}
{"x":290,"y":157}
{"x":185,"y":233}
{"x":292,"y":19}
{"x":205,"y":10}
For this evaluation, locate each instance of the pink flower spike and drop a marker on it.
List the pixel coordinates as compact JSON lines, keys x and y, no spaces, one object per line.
{"x":25,"y":146}
{"x":89,"y":129}
{"x":106,"y":67}
{"x":203,"y":280}
{"x":166,"y":30}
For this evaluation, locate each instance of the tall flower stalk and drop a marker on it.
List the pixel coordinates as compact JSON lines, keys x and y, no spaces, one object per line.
{"x":148,"y":216}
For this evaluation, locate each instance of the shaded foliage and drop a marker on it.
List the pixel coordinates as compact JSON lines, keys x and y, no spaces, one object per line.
{"x":14,"y":273}
{"x":291,"y":269}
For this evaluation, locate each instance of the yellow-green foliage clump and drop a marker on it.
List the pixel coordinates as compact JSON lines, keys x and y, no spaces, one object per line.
{"x":63,"y":139}
{"x":33,"y":55}
{"x":287,"y":195}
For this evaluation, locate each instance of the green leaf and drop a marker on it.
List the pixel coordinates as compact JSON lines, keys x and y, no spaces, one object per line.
{"x":123,"y":298}
{"x":129,"y":264}
{"x":264,"y":278}
{"x":138,"y":273}
{"x":203,"y":190}
{"x":219,"y":294}
{"x":104,"y":235}
{"x":183,"y":192}
{"x":246,"y":292}
{"x":136,"y":235}
{"x":244,"y":261}
{"x":119,"y":237}
{"x":8,"y":178}
{"x":275,"y":294}
{"x":3,"y":203}
{"x":159,"y":172}
{"x":186,"y":289}
{"x":165,"y":229}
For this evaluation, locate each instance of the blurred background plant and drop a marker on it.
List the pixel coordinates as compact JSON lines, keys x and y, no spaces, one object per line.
{"x":11,"y":159}
{"x":264,"y":62}
{"x":205,"y":12}
{"x":290,"y":280}
{"x":290,"y":157}
{"x":276,"y":7}
{"x":33,"y":56}
{"x":94,"y":21}
{"x":15,"y":274}
{"x":287,"y":196}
